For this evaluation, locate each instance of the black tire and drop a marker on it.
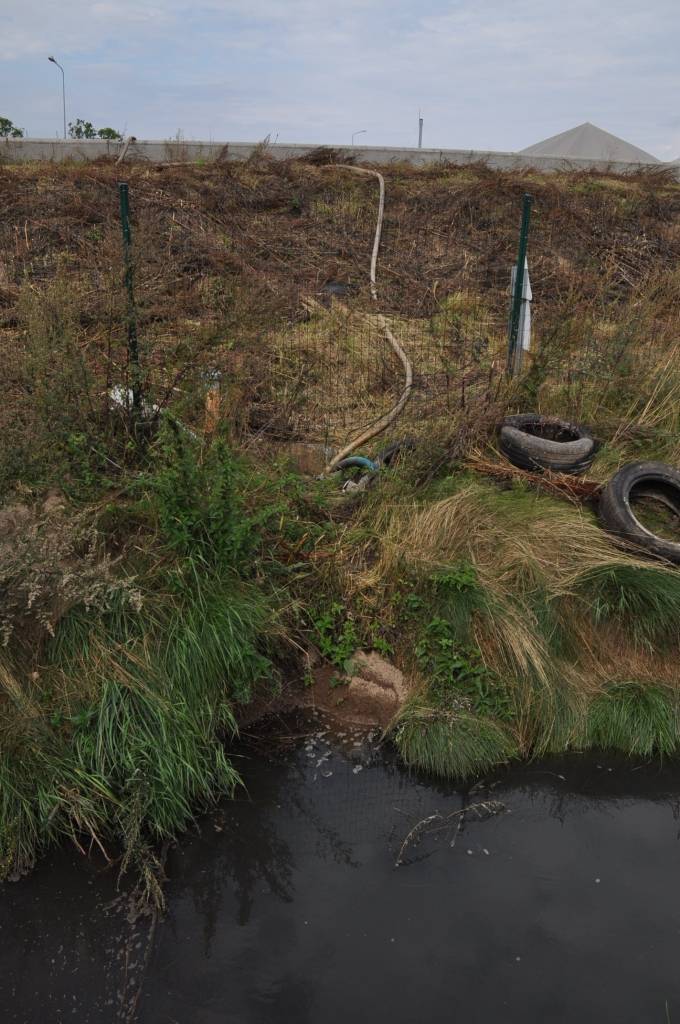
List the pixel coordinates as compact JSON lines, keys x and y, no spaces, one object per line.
{"x":357,"y":462}
{"x":385,"y":457}
{"x":641,"y":479}
{"x":535,"y":442}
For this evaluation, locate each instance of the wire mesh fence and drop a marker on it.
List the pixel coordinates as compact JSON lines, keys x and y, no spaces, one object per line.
{"x":332,"y":373}
{"x":261,"y":274}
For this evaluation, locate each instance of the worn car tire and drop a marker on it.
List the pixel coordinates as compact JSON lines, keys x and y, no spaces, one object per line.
{"x":641,"y":479}
{"x":385,"y":457}
{"x":357,"y":461}
{"x":533,"y":442}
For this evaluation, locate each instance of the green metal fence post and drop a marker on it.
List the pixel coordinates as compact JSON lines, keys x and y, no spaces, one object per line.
{"x":133,"y":344}
{"x":515,"y":350}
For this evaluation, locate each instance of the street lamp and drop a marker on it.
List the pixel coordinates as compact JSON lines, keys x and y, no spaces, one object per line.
{"x":361,"y":132}
{"x":63,"y":89}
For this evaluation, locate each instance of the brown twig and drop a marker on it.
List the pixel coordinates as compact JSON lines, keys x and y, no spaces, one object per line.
{"x":561,"y":484}
{"x":490,"y":807}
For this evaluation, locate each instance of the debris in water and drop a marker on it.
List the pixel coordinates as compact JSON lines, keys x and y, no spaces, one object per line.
{"x":437,"y":822}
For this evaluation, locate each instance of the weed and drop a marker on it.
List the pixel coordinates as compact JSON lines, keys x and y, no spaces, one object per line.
{"x":199,"y":502}
{"x":335,"y":634}
{"x":454,"y":670}
{"x":457,"y":595}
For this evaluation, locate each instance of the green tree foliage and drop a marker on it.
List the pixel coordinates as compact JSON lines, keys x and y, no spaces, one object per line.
{"x":8,"y":130}
{"x":80,"y":129}
{"x":110,"y":134}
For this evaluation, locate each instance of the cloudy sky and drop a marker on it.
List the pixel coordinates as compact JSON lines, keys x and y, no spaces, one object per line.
{"x":487,"y":74}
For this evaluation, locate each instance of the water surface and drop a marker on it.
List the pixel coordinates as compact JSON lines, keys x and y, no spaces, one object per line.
{"x":556,"y":899}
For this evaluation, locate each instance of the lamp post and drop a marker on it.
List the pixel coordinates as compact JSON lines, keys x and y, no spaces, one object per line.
{"x":63,"y":89}
{"x":361,"y":132}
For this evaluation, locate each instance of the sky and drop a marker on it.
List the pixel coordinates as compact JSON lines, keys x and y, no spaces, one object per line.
{"x":486,"y":74}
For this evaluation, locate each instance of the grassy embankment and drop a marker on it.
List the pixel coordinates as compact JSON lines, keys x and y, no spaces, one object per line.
{"x":171,"y":576}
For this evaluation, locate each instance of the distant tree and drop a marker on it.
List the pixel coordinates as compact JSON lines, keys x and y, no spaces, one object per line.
{"x":86,"y":130}
{"x":9,"y":130}
{"x":109,"y":133}
{"x":80,"y":129}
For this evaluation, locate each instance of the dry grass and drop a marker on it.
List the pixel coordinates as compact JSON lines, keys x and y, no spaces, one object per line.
{"x":333,"y":373}
{"x":226,"y":254}
{"x":514,"y":544}
{"x":534,"y":558}
{"x":542,"y":628}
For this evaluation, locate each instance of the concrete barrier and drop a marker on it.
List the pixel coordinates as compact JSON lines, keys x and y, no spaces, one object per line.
{"x":172,"y":151}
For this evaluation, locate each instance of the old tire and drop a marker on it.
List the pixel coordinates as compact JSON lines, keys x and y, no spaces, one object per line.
{"x":357,"y":461}
{"x":535,"y":442}
{"x":641,"y":479}
{"x":385,"y":457}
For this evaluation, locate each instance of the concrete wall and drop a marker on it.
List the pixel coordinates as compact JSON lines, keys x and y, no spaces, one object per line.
{"x":17,"y":150}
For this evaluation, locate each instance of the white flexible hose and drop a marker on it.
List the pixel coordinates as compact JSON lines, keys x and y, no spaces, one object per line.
{"x":389,"y":417}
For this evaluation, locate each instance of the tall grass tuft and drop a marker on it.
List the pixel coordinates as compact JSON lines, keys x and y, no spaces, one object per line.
{"x":643,"y":599}
{"x":635,"y":719}
{"x":455,"y":744}
{"x":131,"y":753}
{"x":551,"y":719}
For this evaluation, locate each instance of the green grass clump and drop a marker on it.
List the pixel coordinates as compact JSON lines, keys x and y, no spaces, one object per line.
{"x":119,"y":739}
{"x":635,"y":719}
{"x":133,"y":754}
{"x":456,"y":744}
{"x":645,"y":601}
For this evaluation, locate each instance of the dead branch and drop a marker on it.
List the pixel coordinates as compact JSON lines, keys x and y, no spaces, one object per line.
{"x":426,"y":825}
{"x":560,"y":484}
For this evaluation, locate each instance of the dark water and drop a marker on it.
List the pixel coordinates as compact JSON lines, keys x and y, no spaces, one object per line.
{"x":558,"y":901}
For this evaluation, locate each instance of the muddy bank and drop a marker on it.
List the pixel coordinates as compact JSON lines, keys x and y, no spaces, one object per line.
{"x":368,"y":694}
